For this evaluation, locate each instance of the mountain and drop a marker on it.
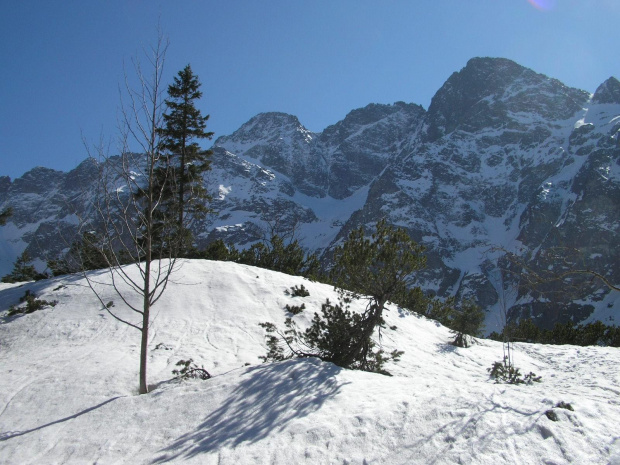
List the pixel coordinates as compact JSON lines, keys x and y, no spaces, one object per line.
{"x":505,"y":160}
{"x":70,"y":376}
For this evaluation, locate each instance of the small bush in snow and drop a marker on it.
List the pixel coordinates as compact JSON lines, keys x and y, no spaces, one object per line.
{"x":295,"y":309}
{"x":298,"y":291}
{"x":508,"y":373}
{"x":333,"y":336}
{"x":551,"y":415}
{"x":377,"y":269}
{"x":565,"y":405}
{"x":32,"y":304}
{"x":190,"y":370}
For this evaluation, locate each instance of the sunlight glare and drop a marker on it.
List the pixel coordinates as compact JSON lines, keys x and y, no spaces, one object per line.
{"x":545,"y":5}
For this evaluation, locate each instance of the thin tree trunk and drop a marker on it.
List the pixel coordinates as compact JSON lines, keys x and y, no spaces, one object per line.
{"x":367,"y":329}
{"x":182,"y":184}
{"x":144,"y":388}
{"x":182,"y":189}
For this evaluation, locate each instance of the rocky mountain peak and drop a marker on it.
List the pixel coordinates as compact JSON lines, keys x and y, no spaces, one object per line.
{"x":83,"y":173}
{"x":279,"y":142}
{"x":608,"y":92}
{"x":371,"y":114}
{"x":497,"y":92}
{"x":267,"y":127}
{"x":37,"y":180}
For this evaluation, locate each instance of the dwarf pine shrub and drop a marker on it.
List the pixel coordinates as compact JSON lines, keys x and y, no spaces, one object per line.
{"x":32,"y":304}
{"x":507,"y":373}
{"x":190,"y":370}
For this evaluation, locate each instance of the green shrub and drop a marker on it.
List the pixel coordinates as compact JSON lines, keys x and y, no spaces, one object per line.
{"x":551,"y":415}
{"x":595,"y":333}
{"x":22,"y":271}
{"x":32,"y":304}
{"x":190,"y":370}
{"x":295,"y":309}
{"x":218,"y":250}
{"x":565,"y":405}
{"x":376,"y":268}
{"x":276,"y":255}
{"x":298,"y":291}
{"x":466,"y":321}
{"x":334,"y":336}
{"x":508,"y":373}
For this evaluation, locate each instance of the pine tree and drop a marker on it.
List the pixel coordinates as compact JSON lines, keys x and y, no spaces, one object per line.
{"x":87,"y":252}
{"x":180,"y":180}
{"x":377,"y":269}
{"x":467,"y":321}
{"x":23,"y":271}
{"x":275,"y":255}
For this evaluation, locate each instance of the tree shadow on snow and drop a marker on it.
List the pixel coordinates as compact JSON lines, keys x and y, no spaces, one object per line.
{"x":5,"y":436}
{"x":267,"y":399}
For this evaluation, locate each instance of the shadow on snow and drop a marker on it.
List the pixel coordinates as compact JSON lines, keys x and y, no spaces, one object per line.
{"x":5,"y":436}
{"x":267,"y":399}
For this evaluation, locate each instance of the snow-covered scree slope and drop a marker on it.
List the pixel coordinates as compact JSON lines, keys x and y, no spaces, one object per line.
{"x":68,"y":390}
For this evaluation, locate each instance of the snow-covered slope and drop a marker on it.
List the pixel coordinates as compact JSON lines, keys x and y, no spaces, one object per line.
{"x":69,"y":382}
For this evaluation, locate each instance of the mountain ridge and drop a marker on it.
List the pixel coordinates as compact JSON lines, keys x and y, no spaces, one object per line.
{"x":504,"y":157}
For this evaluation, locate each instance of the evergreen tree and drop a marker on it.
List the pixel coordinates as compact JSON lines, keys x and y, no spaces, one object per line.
{"x":467,"y":320}
{"x":276,"y":255}
{"x":23,"y":271}
{"x":179,"y":179}
{"x":376,"y":268}
{"x":87,"y":252}
{"x":218,"y":250}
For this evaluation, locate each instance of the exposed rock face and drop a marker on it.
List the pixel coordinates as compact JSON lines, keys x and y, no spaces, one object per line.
{"x":504,"y":157}
{"x":362,"y":145}
{"x":608,"y":92}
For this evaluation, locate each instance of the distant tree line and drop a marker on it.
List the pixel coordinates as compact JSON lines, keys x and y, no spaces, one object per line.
{"x":464,"y":320}
{"x":590,"y":334}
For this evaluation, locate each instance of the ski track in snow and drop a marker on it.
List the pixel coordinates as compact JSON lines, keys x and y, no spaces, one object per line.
{"x":68,"y":389}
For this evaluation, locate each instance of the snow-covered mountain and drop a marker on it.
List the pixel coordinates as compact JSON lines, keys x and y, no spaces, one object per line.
{"x":504,"y":157}
{"x":70,"y":376}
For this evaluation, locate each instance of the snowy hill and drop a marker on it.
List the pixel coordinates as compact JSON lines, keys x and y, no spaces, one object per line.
{"x":68,"y":390}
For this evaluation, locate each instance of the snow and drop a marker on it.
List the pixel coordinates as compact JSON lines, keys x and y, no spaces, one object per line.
{"x":331,"y":215}
{"x":69,"y":382}
{"x":224,"y":191}
{"x":229,"y":227}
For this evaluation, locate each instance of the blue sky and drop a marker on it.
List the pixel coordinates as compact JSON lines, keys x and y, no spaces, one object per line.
{"x":62,"y":61}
